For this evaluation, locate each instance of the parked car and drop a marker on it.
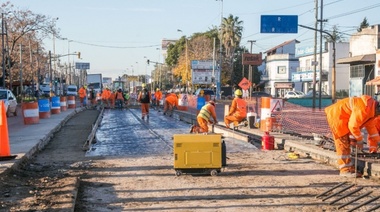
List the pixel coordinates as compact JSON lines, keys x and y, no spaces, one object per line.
{"x":260,"y":94}
{"x":310,"y":94}
{"x":294,"y":94}
{"x":206,"y":91}
{"x":72,"y":90}
{"x":10,"y":101}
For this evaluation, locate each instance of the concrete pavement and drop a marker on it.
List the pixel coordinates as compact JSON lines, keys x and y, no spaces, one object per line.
{"x":26,"y":140}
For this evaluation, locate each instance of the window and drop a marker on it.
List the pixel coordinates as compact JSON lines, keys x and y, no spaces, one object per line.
{"x":357,"y":71}
{"x":281,"y":69}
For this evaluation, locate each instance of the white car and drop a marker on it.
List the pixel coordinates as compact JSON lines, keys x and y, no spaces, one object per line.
{"x":10,"y":101}
{"x":294,"y":94}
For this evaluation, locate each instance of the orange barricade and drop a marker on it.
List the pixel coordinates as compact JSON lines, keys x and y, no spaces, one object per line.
{"x":265,"y":112}
{"x":71,"y":102}
{"x":30,"y":112}
{"x":5,"y":150}
{"x":63,"y":101}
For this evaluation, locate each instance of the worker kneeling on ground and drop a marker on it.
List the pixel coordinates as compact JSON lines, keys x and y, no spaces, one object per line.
{"x":238,"y":110}
{"x":171,"y":102}
{"x":203,"y":118}
{"x":346,"y":118}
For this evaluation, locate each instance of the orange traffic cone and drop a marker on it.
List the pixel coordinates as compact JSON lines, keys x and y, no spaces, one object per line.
{"x":5,"y":151}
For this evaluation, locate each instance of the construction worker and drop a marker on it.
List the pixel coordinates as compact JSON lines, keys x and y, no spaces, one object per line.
{"x":238,"y":110}
{"x":112,"y":98}
{"x":82,"y":96}
{"x":119,"y":98}
{"x":106,"y":94}
{"x":171,"y":102}
{"x":144,"y":99}
{"x":372,"y":143}
{"x":126,"y":97}
{"x":158,"y":96}
{"x":204,"y":117}
{"x":347,"y":117}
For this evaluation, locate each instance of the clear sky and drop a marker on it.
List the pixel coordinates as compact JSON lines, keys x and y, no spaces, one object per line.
{"x":118,"y":36}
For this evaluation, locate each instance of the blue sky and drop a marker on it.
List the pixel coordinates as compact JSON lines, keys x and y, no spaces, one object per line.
{"x":118,"y":36}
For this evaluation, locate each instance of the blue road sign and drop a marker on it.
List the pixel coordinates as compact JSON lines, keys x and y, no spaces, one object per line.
{"x":279,"y":24}
{"x":82,"y":66}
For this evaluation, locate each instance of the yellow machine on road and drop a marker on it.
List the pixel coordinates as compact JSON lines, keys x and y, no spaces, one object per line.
{"x":197,"y":153}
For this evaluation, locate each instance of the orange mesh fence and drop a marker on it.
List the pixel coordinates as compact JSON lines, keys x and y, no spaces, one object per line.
{"x":296,"y":119}
{"x":303,"y":120}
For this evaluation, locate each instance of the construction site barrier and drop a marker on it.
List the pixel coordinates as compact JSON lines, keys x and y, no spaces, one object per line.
{"x":5,"y":150}
{"x":63,"y":100}
{"x":265,"y":112}
{"x":44,"y":108}
{"x":30,"y":112}
{"x":71,"y":102}
{"x":55,"y":105}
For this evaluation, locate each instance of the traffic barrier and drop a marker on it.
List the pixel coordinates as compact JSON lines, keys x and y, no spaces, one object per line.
{"x":71,"y":102}
{"x":30,"y":112}
{"x":265,"y":112}
{"x":63,"y":100}
{"x":44,"y":108}
{"x":182,"y":102}
{"x":5,"y":150}
{"x":55,"y":105}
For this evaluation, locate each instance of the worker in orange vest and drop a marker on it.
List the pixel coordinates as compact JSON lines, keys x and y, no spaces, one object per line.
{"x":204,"y":118}
{"x":373,"y":144}
{"x":106,"y":97}
{"x":112,"y":99}
{"x":347,"y":117}
{"x":82,"y":95}
{"x":158,"y":96}
{"x":238,"y":110}
{"x":171,"y":102}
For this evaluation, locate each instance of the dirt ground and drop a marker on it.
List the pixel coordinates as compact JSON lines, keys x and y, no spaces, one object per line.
{"x":253,"y":180}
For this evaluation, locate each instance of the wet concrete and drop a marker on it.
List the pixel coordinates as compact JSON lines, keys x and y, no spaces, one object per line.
{"x":124,"y":133}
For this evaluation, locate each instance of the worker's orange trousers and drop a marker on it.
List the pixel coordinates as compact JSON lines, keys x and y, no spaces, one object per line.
{"x":343,"y":150}
{"x":203,"y":124}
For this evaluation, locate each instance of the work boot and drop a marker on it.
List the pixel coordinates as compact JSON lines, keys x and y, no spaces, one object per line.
{"x":350,"y":174}
{"x":147,"y":117}
{"x":142,"y":117}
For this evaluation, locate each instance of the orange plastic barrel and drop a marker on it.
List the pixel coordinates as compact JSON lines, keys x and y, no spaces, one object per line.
{"x":63,"y":100}
{"x":71,"y":102}
{"x":265,"y":112}
{"x":30,"y":112}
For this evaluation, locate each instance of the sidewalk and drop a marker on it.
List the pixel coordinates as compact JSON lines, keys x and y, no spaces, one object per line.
{"x":25,"y":140}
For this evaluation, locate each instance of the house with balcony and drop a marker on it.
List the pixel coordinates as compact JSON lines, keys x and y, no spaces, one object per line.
{"x":280,"y":64}
{"x":363,"y":62}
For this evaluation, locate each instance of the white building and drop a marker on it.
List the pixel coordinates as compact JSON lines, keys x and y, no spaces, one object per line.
{"x":304,"y":76}
{"x":280,"y":64}
{"x":363,"y":61}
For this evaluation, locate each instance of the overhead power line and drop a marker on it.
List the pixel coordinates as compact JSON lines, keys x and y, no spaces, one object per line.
{"x":116,"y":47}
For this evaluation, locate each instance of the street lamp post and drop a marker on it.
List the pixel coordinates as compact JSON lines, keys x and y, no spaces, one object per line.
{"x":218,"y":81}
{"x":3,"y":49}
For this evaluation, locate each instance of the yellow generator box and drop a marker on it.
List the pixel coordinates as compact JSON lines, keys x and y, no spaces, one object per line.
{"x":197,"y":153}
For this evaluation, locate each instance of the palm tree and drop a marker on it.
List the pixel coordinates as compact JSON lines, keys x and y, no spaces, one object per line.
{"x":230,"y":35}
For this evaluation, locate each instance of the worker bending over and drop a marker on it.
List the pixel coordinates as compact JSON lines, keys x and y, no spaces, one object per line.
{"x":205,"y":114}
{"x":346,"y":118}
{"x":238,"y":110}
{"x":171,"y":102}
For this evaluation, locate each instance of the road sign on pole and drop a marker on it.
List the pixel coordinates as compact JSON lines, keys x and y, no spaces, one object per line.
{"x":279,"y":24}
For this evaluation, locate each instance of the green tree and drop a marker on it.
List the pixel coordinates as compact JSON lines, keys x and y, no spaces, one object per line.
{"x":29,"y":29}
{"x":337,"y":36}
{"x":363,"y":24}
{"x":230,"y":35}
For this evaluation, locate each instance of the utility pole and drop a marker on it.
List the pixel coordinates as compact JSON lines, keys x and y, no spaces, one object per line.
{"x":315,"y":52}
{"x":3,"y":49}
